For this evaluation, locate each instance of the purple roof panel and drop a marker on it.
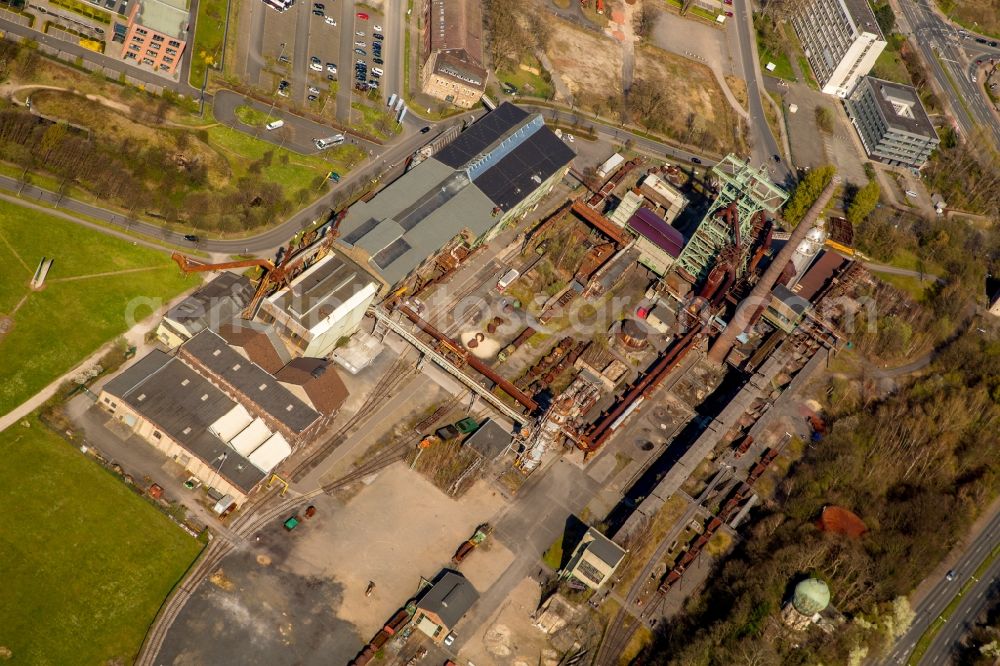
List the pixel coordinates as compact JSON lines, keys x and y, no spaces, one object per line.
{"x":655,"y":229}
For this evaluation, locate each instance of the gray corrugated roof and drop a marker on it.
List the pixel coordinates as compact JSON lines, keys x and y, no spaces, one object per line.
{"x":214,"y":303}
{"x":482,"y":134}
{"x":183,"y":404}
{"x":491,"y":440}
{"x":248,"y":378}
{"x":321,"y":289}
{"x":525,"y":168}
{"x":450,"y":597}
{"x":604,"y":548}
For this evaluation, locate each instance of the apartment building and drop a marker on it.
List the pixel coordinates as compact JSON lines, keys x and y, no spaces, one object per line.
{"x":892,"y":123}
{"x":156,"y":34}
{"x":841,"y":39}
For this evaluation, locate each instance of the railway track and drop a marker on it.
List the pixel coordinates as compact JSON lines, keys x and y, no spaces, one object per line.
{"x":401,"y":369}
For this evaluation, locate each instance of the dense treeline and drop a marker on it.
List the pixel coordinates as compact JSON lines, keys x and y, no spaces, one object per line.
{"x":916,"y":467}
{"x":966,"y":174}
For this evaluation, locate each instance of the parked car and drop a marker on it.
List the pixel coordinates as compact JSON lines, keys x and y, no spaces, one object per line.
{"x":378,"y":35}
{"x":378,"y":61}
{"x":312,"y":98}
{"x":319,"y":12}
{"x":362,"y":16}
{"x":360,"y":51}
{"x":315,"y":64}
{"x":331,"y":77}
{"x":377,"y":71}
{"x":425,"y":130}
{"x":332,"y":68}
{"x":377,"y":28}
{"x":360,"y":44}
{"x":729,"y":13}
{"x":334,"y":176}
{"x":449,"y":639}
{"x":360,"y":33}
{"x":314,"y":90}
{"x":319,"y":5}
{"x":285,"y":59}
{"x":329,"y":21}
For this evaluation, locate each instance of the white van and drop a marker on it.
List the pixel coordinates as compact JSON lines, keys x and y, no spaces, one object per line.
{"x":377,"y":71}
{"x":323,"y":144}
{"x":274,"y":125}
{"x":507,"y":278}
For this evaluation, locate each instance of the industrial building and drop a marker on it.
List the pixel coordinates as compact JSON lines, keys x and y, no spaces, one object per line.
{"x":485,"y":179}
{"x":322,"y":306}
{"x":218,"y":413}
{"x":594,"y":559}
{"x":659,"y":244}
{"x":659,"y":191}
{"x":155,"y":35}
{"x":212,"y":305}
{"x":443,"y":604}
{"x":841,"y":39}
{"x":453,"y":68}
{"x":892,"y":123}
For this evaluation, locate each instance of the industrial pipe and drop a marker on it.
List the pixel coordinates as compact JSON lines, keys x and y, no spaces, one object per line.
{"x":745,"y":311}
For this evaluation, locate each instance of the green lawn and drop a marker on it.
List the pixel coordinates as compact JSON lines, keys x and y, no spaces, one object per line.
{"x":782,"y":65}
{"x":890,"y":65}
{"x":59,"y":326}
{"x":374,"y":120}
{"x":208,"y":36}
{"x":528,"y":83}
{"x":299,"y":170}
{"x":248,"y":115}
{"x":86,"y":562}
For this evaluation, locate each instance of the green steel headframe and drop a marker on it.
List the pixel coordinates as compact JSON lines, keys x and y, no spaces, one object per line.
{"x":752,"y":191}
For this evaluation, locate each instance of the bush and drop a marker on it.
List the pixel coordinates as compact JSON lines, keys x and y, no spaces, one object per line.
{"x":806,"y":193}
{"x":824,"y":119}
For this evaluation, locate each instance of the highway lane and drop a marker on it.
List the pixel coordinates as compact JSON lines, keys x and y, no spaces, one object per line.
{"x":931,"y":606}
{"x":974,"y":601}
{"x":942,"y":47}
{"x":762,"y":142}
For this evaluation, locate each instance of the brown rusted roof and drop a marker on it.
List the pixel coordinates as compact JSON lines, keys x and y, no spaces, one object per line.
{"x":319,"y":379}
{"x":819,"y":274}
{"x":457,"y":25}
{"x":259,"y":343}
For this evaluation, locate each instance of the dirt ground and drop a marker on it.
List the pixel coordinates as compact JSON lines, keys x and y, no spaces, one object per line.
{"x":396,"y":529}
{"x":589,"y":64}
{"x":690,"y":86}
{"x":509,"y":637}
{"x":739,"y":87}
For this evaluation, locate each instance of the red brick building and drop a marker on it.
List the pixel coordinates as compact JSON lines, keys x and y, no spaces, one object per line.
{"x":157,"y":34}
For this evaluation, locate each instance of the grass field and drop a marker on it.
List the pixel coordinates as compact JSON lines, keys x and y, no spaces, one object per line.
{"x":982,"y":16}
{"x":210,"y":31}
{"x":248,"y":115}
{"x":527,"y":83}
{"x":57,"y":327}
{"x":782,"y":64}
{"x":86,"y":562}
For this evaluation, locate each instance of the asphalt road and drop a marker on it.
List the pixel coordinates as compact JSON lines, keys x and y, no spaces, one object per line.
{"x":763,"y":145}
{"x":942,"y":47}
{"x":297,"y":134}
{"x":99,"y":58}
{"x":942,"y":594}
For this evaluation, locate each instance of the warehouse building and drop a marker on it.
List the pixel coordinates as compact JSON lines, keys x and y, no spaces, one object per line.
{"x":658,"y":243}
{"x":841,"y":39}
{"x":892,"y":123}
{"x":221,"y":416}
{"x":321,"y":307}
{"x":453,"y":68}
{"x":481,"y":182}
{"x":211,"y":306}
{"x":443,"y":604}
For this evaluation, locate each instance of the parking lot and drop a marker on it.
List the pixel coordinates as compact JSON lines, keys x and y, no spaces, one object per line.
{"x":310,"y":46}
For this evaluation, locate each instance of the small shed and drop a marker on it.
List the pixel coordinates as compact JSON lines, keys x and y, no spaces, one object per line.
{"x":490,"y":441}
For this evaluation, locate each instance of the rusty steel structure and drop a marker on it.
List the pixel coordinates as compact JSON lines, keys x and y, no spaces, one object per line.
{"x":754,"y":304}
{"x":469,"y":359}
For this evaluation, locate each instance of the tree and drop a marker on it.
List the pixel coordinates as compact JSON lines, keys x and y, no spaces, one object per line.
{"x":864,"y":202}
{"x":824,"y":119}
{"x":885,"y":18}
{"x":806,"y":192}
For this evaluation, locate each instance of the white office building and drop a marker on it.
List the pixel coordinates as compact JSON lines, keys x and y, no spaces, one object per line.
{"x":841,"y":39}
